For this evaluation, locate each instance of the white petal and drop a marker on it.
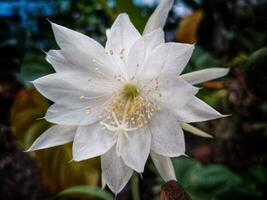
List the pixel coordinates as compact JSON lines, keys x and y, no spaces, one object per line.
{"x":115,"y":172}
{"x":159,"y":16}
{"x":204,"y":75}
{"x":103,"y":182}
{"x":194,"y":130}
{"x":85,"y":49}
{"x":168,"y":58}
{"x":164,"y":166}
{"x":141,"y":49}
{"x":121,"y":38}
{"x":54,"y":136}
{"x":94,"y":64}
{"x":91,"y":141}
{"x":58,"y":61}
{"x":136,"y":148}
{"x":197,"y":111}
{"x":76,"y":114}
{"x":167,"y":135}
{"x":173,"y":93}
{"x":69,"y":39}
{"x":69,"y":87}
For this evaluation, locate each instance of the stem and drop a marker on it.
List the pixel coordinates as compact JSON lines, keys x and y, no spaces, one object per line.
{"x":135,"y":187}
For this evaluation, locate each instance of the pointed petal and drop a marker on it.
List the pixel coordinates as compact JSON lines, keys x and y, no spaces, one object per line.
{"x":97,"y":65}
{"x":69,"y":87}
{"x":86,"y":50}
{"x":141,"y":49}
{"x":167,"y":135}
{"x":54,"y":136}
{"x":121,"y":38}
{"x":204,"y":75}
{"x":58,"y":61}
{"x":77,"y":114}
{"x":164,"y":166}
{"x":197,"y":111}
{"x":115,"y":172}
{"x":173,"y":93}
{"x":194,"y":130}
{"x":69,"y":39}
{"x":170,"y":58}
{"x":159,"y":16}
{"x":91,"y":141}
{"x":136,"y":148}
{"x":103,"y":182}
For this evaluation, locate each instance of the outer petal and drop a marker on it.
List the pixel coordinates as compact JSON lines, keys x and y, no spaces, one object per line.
{"x":197,"y":111}
{"x":173,"y":93}
{"x":95,"y":65}
{"x":159,"y":16}
{"x":54,"y":136}
{"x":121,"y":38}
{"x":194,"y":130}
{"x":167,"y":58}
{"x":91,"y":141}
{"x":164,"y":166}
{"x":115,"y":172}
{"x":136,"y":148}
{"x":204,"y":75}
{"x":58,"y":61}
{"x":69,"y":39}
{"x":167,"y":135}
{"x":86,"y":49}
{"x":71,"y":86}
{"x":141,"y":49}
{"x":78,"y":115}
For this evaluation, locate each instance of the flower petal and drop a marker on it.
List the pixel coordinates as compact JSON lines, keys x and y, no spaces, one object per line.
{"x":69,"y":39}
{"x":159,"y":16}
{"x":89,"y":53}
{"x":167,"y":135}
{"x":121,"y":38}
{"x":136,"y":148}
{"x":173,"y":93}
{"x":58,"y":61}
{"x":204,"y":75}
{"x":168,"y":58}
{"x":194,"y":130}
{"x":54,"y":136}
{"x":91,"y":141}
{"x":97,"y":65}
{"x":115,"y":172}
{"x":141,"y":49}
{"x":164,"y":166}
{"x":69,"y":87}
{"x":197,"y":111}
{"x":77,"y":114}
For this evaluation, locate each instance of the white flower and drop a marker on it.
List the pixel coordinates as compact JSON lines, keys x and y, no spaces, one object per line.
{"x":125,"y":101}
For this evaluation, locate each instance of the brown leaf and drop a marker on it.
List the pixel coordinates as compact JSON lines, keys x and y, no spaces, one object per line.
{"x":173,"y":191}
{"x":188,"y":27}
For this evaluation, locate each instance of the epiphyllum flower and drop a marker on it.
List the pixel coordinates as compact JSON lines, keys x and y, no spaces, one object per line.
{"x":125,"y":101}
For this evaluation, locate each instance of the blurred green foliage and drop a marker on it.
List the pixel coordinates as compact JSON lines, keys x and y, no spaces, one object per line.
{"x":217,"y":182}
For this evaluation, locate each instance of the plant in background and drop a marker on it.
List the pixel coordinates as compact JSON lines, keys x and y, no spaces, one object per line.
{"x":126,"y":101}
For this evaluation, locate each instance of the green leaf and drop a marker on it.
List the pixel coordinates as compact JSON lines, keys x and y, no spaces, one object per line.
{"x":84,"y":190}
{"x":214,"y":177}
{"x":34,"y":67}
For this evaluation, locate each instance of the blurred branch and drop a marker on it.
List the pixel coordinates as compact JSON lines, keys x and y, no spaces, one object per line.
{"x":173,"y":191}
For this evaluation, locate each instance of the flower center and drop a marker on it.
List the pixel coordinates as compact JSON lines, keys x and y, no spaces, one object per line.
{"x":129,"y":110}
{"x":130,"y":91}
